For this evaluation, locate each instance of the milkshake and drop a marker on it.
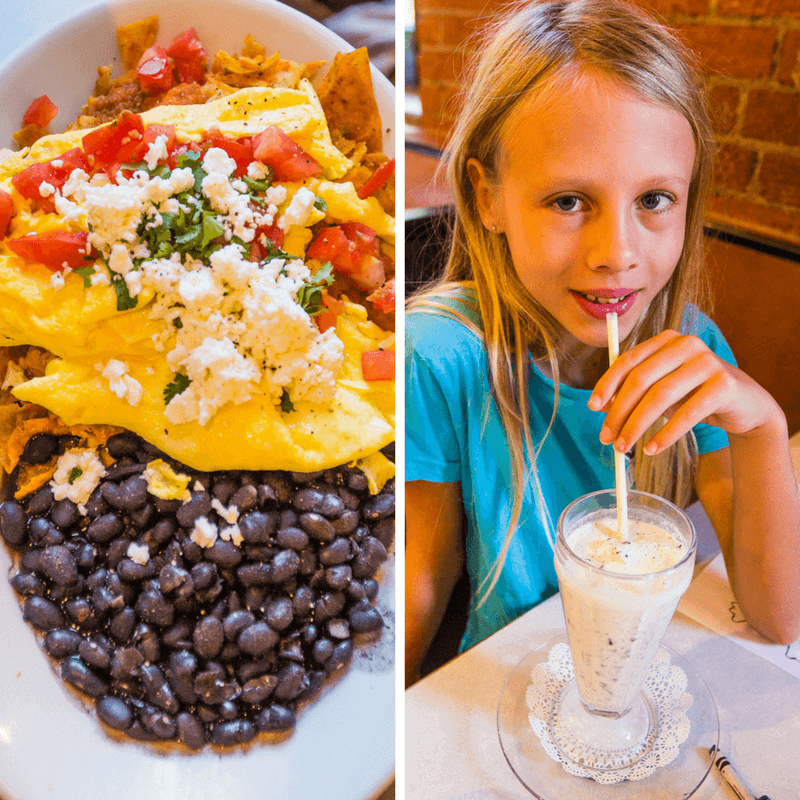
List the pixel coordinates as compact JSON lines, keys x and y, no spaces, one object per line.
{"x":618,"y":598}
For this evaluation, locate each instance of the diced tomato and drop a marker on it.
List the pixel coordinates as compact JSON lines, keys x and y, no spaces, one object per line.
{"x":179,"y":150}
{"x":379,"y":178}
{"x":152,"y":132}
{"x":54,"y":172}
{"x":378,"y":365}
{"x":189,"y":56}
{"x":55,"y":249}
{"x":272,"y":232}
{"x":154,"y":70}
{"x":331,"y":244}
{"x":383,"y":297}
{"x":365,"y":239}
{"x":122,"y":141}
{"x":239,"y":150}
{"x":289,"y":162}
{"x":6,"y":211}
{"x":327,"y":318}
{"x":41,"y":112}
{"x":370,"y":275}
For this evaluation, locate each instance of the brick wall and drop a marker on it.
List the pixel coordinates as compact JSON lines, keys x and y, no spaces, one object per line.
{"x":750,"y":51}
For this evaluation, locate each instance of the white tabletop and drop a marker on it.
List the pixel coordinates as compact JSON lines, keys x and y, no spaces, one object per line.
{"x":452,"y":746}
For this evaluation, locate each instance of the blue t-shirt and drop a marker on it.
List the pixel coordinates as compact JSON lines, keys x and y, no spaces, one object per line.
{"x":454,"y":433}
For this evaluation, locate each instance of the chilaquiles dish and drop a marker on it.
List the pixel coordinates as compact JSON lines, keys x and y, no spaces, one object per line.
{"x":197,"y":404}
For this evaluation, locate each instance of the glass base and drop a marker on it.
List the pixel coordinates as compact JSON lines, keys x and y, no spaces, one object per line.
{"x":602,"y":742}
{"x":546,"y":779}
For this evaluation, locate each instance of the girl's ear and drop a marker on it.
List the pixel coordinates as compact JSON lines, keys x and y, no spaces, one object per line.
{"x":484,"y":196}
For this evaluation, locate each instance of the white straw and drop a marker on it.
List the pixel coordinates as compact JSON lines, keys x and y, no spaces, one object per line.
{"x":620,"y":478}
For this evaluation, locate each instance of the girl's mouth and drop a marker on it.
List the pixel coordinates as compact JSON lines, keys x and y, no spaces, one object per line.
{"x":599,"y":306}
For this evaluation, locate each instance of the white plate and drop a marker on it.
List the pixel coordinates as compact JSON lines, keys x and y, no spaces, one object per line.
{"x":51,"y":746}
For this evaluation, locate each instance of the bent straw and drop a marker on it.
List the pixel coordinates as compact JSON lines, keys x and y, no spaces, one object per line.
{"x":620,"y":479}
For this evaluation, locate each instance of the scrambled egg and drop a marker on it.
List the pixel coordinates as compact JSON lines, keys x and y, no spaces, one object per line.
{"x":82,"y":326}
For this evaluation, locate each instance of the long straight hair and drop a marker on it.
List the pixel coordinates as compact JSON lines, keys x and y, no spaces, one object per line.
{"x":534,"y":48}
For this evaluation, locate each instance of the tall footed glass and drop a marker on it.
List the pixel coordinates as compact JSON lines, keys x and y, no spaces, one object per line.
{"x":618,"y":600}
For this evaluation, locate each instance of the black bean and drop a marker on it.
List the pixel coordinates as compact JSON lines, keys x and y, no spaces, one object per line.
{"x":346,"y":523}
{"x":284,"y":566}
{"x":342,"y":653}
{"x":130,"y":570}
{"x":62,"y":642}
{"x":95,"y":505}
{"x":157,"y":689}
{"x":279,"y":613}
{"x":171,"y":577}
{"x":26,"y":583}
{"x":257,"y":527}
{"x":357,"y":481}
{"x":236,"y":622}
{"x":122,"y":444}
{"x":276,"y":719}
{"x":370,"y":559}
{"x":351,"y":501}
{"x":329,"y":605}
{"x":154,"y":608}
{"x":180,"y":675}
{"x":141,"y":517}
{"x":303,"y":601}
{"x":204,"y":575}
{"x":378,"y":507}
{"x":317,"y":526}
{"x":213,"y":689}
{"x":115,"y":712}
{"x":43,"y":613}
{"x":245,"y":499}
{"x":254,"y":574}
{"x":339,"y":577}
{"x":199,"y":506}
{"x":257,"y":690}
{"x":161,"y":532}
{"x":224,"y":553}
{"x":121,"y":626}
{"x":371,"y":588}
{"x":42,"y":532}
{"x":322,"y":650}
{"x":40,"y":502}
{"x":40,"y":448}
{"x":291,"y":649}
{"x":96,"y":652}
{"x":59,"y":565}
{"x":125,"y":663}
{"x":167,"y":506}
{"x":292,"y":538}
{"x":124,"y":468}
{"x":223,"y":488}
{"x":147,"y":642}
{"x":257,"y":639}
{"x":208,"y":637}
{"x":384,"y":531}
{"x":274,"y":489}
{"x":338,"y":628}
{"x":190,"y":730}
{"x":64,"y":513}
{"x":104,"y":528}
{"x":74,"y":671}
{"x":13,"y":523}
{"x":159,"y":723}
{"x":332,"y":506}
{"x":337,"y":552}
{"x":292,"y":681}
{"x":179,"y":636}
{"x":81,"y":613}
{"x":85,"y":555}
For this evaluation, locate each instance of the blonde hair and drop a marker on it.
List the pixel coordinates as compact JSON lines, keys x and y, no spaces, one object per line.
{"x":528,"y":51}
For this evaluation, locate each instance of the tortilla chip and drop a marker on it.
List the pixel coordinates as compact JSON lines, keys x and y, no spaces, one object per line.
{"x":254,"y":68}
{"x":33,"y":476}
{"x":26,"y":136}
{"x":348,"y":100}
{"x":134,"y":39}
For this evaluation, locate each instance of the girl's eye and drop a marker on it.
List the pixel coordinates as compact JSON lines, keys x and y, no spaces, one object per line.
{"x":656,"y":201}
{"x":569,"y":202}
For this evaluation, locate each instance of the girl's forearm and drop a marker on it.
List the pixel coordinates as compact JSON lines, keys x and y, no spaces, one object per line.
{"x":763,"y":557}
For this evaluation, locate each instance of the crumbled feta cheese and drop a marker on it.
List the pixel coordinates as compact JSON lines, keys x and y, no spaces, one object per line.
{"x":204,"y":532}
{"x":257,"y":171}
{"x":299,"y":210}
{"x":120,"y":259}
{"x":140,"y":553}
{"x":57,"y":163}
{"x":232,"y":534}
{"x":217,"y":160}
{"x":57,"y":281}
{"x":156,"y":152}
{"x":230,"y":513}
{"x":78,"y":472}
{"x":181,"y":180}
{"x":46,"y":189}
{"x":124,"y":386}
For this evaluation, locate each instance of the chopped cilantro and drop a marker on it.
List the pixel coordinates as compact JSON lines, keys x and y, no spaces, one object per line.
{"x":258,"y":186}
{"x":124,"y":300}
{"x":286,"y":403}
{"x":309,"y":296}
{"x":320,"y":205}
{"x":177,"y":323}
{"x":191,"y":160}
{"x":86,"y":273}
{"x":175,"y":387}
{"x":273,"y":251}
{"x":74,"y":474}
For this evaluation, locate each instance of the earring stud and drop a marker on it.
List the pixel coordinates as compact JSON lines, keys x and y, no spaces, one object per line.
{"x":494,"y":228}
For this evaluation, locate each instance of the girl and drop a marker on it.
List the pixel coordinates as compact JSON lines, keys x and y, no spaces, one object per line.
{"x":580,"y":164}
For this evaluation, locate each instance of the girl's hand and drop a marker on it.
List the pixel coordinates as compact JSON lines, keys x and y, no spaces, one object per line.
{"x":677,"y":376}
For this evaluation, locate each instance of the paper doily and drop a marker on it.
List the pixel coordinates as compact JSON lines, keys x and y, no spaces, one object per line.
{"x":666,"y":684}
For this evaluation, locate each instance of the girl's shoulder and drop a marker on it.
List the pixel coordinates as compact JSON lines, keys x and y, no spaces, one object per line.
{"x":448,"y":312}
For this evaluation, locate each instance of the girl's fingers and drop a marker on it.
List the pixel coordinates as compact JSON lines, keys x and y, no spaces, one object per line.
{"x":640,"y":380}
{"x":668,"y":397}
{"x":611,"y":381}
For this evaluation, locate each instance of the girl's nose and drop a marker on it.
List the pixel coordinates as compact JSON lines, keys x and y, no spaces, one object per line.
{"x":611,"y":241}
